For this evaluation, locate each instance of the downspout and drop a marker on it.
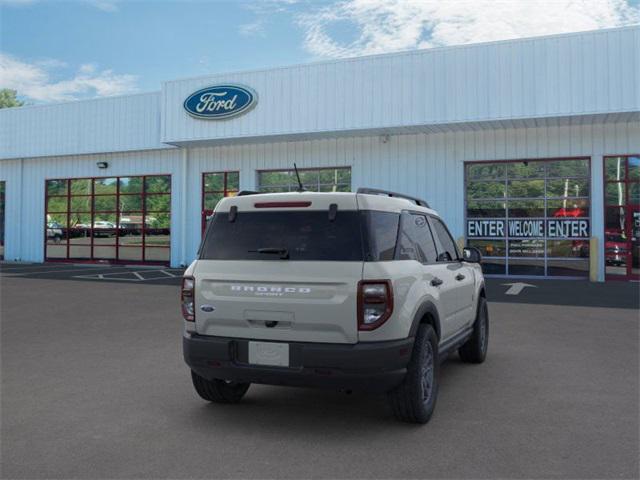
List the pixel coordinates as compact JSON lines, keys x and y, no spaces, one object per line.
{"x":183,"y":208}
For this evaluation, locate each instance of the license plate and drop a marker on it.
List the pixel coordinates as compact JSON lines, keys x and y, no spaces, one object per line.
{"x":269,"y":353}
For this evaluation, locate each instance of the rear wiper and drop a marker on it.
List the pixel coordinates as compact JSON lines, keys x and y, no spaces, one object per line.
{"x":283,"y":252}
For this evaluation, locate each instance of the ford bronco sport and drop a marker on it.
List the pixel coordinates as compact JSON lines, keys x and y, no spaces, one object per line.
{"x":350,"y":291}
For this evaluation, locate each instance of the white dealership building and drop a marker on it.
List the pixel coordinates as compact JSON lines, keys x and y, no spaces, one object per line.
{"x":529,"y":149}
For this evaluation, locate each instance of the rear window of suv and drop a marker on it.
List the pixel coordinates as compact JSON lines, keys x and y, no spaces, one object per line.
{"x":304,"y":235}
{"x":309,"y":235}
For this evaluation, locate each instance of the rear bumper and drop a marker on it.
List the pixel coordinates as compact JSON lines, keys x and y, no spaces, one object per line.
{"x":375,"y":366}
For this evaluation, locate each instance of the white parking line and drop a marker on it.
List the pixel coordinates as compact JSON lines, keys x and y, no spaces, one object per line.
{"x":61,"y":270}
{"x":138,"y":276}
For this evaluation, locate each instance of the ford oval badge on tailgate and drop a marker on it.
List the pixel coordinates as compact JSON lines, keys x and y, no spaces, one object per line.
{"x":207,"y":308}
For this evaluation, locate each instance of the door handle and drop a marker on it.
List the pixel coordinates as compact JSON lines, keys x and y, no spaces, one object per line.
{"x":436,"y":282}
{"x":460,"y":277}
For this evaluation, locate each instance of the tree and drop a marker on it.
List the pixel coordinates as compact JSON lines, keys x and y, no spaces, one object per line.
{"x":8,"y":98}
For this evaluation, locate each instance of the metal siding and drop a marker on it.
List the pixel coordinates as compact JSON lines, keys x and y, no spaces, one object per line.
{"x":427,"y":165}
{"x":92,"y":126}
{"x":557,"y":76}
{"x":25,"y":199}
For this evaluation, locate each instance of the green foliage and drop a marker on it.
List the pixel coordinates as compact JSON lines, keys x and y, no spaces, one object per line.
{"x":8,"y":98}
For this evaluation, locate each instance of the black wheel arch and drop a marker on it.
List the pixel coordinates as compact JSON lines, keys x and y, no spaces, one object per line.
{"x":426,"y":314}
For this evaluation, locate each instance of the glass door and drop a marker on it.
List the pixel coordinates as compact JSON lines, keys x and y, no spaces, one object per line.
{"x":622,"y":217}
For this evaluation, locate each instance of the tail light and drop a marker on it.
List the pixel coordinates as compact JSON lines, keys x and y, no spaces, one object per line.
{"x":187,"y":298}
{"x":375,"y":303}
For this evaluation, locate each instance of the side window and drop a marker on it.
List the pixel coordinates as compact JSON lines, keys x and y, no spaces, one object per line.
{"x":450,"y":251}
{"x":415,"y":241}
{"x":379,"y":235}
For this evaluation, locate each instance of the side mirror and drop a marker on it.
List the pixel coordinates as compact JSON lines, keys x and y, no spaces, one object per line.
{"x":471,"y":255}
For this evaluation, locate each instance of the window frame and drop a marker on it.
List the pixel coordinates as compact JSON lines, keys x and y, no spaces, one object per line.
{"x":225,"y":193}
{"x":291,"y":171}
{"x":144,"y":247}
{"x":546,"y":178}
{"x":439,"y":247}
{"x":627,"y":181}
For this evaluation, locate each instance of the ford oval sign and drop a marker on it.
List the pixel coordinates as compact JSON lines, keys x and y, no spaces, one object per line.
{"x":220,"y":102}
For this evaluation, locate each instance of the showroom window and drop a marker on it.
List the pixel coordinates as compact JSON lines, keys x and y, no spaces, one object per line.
{"x":313,"y":179}
{"x":2,"y":187}
{"x":216,"y":186}
{"x":116,"y":219}
{"x":530,"y":218}
{"x":622,"y":217}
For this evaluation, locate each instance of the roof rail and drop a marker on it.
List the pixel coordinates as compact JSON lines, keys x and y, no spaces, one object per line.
{"x":243,"y":193}
{"x":376,"y":191}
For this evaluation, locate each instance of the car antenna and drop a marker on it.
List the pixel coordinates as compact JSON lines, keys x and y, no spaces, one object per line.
{"x":300,"y":185}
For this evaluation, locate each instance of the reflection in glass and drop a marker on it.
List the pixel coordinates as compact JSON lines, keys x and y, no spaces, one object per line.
{"x":133,"y":254}
{"x":152,"y":254}
{"x":130,"y":185}
{"x":493,"y":266}
{"x":485,"y":209}
{"x":104,"y":252}
{"x":568,"y":168}
{"x":568,"y":248}
{"x":80,"y":204}
{"x":57,"y":204}
{"x":79,"y":252}
{"x":489,"y":248}
{"x":525,"y":208}
{"x":486,"y":171}
{"x":158,"y":184}
{"x":57,"y":250}
{"x":105,"y":203}
{"x":158,"y":203}
{"x":157,"y":238}
{"x":568,"y":208}
{"x":634,"y":193}
{"x":614,"y":168}
{"x":57,"y":187}
{"x":214,"y":182}
{"x":130,"y":203}
{"x":568,"y":188}
{"x":565,"y":268}
{"x":485,"y":190}
{"x":614,"y":218}
{"x":615,"y":193}
{"x":328,"y":179}
{"x":526,"y":248}
{"x":519,"y":266}
{"x":527,"y":169}
{"x":105,"y":186}
{"x":525,"y":188}
{"x":211,"y":200}
{"x":81,"y":186}
{"x":634,"y":168}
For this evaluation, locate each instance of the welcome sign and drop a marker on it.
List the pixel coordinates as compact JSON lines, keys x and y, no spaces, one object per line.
{"x":220,"y":102}
{"x":528,"y":228}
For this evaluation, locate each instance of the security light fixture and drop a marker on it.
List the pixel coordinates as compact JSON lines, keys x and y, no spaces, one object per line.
{"x":102,"y":164}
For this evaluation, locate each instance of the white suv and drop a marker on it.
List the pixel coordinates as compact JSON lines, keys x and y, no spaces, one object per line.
{"x":350,"y":291}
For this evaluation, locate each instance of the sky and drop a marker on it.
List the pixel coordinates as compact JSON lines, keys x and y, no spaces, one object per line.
{"x":54,"y":50}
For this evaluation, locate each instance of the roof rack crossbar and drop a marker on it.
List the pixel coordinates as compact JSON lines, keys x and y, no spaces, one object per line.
{"x":376,"y":191}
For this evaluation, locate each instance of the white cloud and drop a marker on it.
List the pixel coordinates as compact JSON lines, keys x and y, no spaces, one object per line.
{"x":35,"y":82}
{"x":104,"y":5}
{"x":252,"y":28}
{"x":389,"y":25}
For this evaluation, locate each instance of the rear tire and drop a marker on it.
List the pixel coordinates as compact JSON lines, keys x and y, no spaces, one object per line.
{"x":414,"y":400}
{"x":219,"y":391}
{"x":475,"y":349}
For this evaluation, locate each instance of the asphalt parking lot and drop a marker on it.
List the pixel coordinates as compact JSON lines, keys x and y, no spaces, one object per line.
{"x":94,"y":386}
